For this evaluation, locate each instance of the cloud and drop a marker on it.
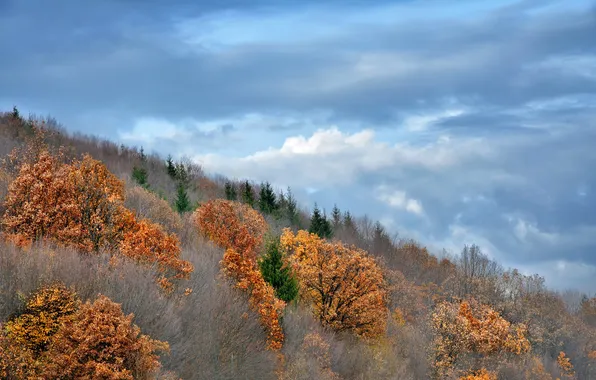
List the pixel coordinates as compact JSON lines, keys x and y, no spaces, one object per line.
{"x":399,"y":200}
{"x":466,"y":122}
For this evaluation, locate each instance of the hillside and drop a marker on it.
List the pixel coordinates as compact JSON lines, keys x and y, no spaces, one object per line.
{"x":117,"y":264}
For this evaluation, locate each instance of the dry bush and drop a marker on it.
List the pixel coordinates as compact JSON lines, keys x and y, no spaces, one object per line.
{"x":209,"y":333}
{"x":149,"y":206}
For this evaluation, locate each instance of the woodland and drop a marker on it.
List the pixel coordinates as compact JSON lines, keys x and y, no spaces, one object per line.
{"x":117,"y":264}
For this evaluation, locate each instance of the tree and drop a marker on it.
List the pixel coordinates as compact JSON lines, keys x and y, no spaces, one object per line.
{"x":336,"y":217}
{"x":102,"y":342}
{"x":182,"y":201}
{"x":345,"y":285}
{"x":81,"y":205}
{"x":15,"y":113}
{"x":240,"y":229}
{"x":319,"y":224}
{"x":139,"y":175}
{"x":247,"y":194}
{"x":267,"y":199}
{"x":470,"y":329}
{"x":230,"y":191}
{"x":277,"y":272}
{"x":171,"y":167}
{"x":292,"y":207}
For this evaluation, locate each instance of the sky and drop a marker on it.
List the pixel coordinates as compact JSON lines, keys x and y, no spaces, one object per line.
{"x":451,"y":122}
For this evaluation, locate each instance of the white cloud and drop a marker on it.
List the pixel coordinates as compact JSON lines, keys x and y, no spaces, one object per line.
{"x":398,"y":199}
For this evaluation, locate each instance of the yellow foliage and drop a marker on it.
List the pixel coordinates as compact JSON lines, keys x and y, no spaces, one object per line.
{"x":481,"y":374}
{"x":345,"y":285}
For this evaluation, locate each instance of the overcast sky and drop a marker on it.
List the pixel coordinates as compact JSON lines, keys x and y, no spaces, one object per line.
{"x":452,"y":122}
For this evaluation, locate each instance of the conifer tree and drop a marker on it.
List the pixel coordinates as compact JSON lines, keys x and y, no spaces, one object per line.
{"x":170,"y":167}
{"x":247,"y":194}
{"x":182,"y":202}
{"x":230,"y":189}
{"x":278,"y":273}
{"x":139,"y":175}
{"x":267,"y":199}
{"x":336,"y":216}
{"x":319,"y":224}
{"x":291,"y":207}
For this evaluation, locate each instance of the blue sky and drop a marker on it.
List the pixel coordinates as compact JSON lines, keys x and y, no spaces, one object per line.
{"x":452,"y":122}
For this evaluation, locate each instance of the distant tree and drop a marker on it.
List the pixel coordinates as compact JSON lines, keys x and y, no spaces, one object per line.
{"x":292,"y":207}
{"x":319,"y":224}
{"x":139,"y":175}
{"x":267,"y":199}
{"x":182,"y":201}
{"x":171,"y":167}
{"x":277,"y":272}
{"x":182,"y":173}
{"x":336,"y":217}
{"x":247,"y":194}
{"x":142,"y":155}
{"x":15,"y":113}
{"x":230,"y":190}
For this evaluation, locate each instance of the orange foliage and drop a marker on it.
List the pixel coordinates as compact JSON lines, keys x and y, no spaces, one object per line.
{"x":481,"y":374}
{"x":56,"y":337}
{"x":345,"y":285}
{"x":565,"y":366}
{"x":240,"y":230}
{"x":101,"y":342}
{"x":81,"y":205}
{"x":473,"y":329}
{"x":147,"y":243}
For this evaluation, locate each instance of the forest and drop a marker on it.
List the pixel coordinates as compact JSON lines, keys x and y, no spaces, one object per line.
{"x":118,"y":264}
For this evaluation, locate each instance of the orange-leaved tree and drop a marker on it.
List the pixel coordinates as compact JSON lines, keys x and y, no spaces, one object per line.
{"x":470,"y":329}
{"x":240,"y":229}
{"x":80,"y":204}
{"x":101,"y":342}
{"x":57,"y":337}
{"x":344,"y":284}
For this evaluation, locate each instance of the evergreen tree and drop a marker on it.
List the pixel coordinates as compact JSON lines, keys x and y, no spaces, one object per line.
{"x":291,"y":207}
{"x":170,"y":167}
{"x":348,"y":220}
{"x":230,"y":191}
{"x":142,"y":155}
{"x":139,"y":175}
{"x":15,"y":113}
{"x":267,"y":199}
{"x":277,"y":273}
{"x":247,"y":194}
{"x":182,"y":202}
{"x":182,"y":174}
{"x":336,"y":216}
{"x":319,"y":224}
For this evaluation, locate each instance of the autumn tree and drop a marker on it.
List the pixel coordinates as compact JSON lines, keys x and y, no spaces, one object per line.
{"x":80,"y":205}
{"x":471,"y":330}
{"x":101,"y":342}
{"x":240,"y":229}
{"x":277,"y":272}
{"x":345,"y":285}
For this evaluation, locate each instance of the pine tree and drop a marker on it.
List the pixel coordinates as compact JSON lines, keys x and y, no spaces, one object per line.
{"x":182,"y":202}
{"x":15,"y":113}
{"x":292,"y":207}
{"x":170,"y":167}
{"x":230,"y":189}
{"x":139,"y":175}
{"x":267,"y":199}
{"x":336,"y":216}
{"x":142,"y":155}
{"x":248,"y":196}
{"x":182,"y":174}
{"x":277,"y":273}
{"x":319,"y":224}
